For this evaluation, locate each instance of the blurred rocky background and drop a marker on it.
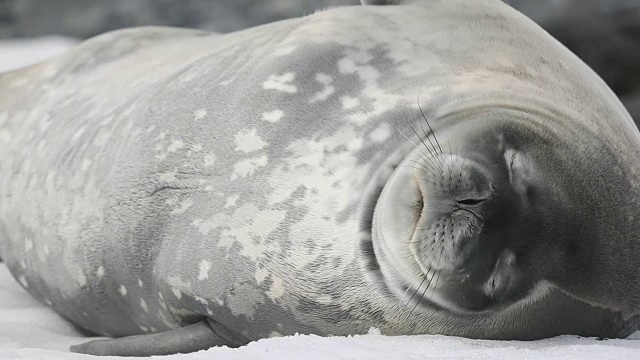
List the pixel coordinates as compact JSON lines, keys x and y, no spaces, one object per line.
{"x":86,"y":18}
{"x":604,"y":33}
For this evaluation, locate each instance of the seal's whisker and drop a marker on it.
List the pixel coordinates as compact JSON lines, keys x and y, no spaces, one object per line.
{"x":415,"y":292}
{"x":425,"y":276}
{"x":429,"y":125}
{"x":416,"y":145}
{"x":429,"y":165}
{"x":450,"y":167}
{"x":434,"y":153}
{"x":419,"y":251}
{"x":423,"y":130}
{"x":461,"y":166}
{"x":426,"y":171}
{"x":413,"y":142}
{"x":425,"y":289}
{"x":438,"y":277}
{"x":461,"y":169}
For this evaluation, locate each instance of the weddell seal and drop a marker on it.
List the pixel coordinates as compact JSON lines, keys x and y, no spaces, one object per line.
{"x":438,"y":167}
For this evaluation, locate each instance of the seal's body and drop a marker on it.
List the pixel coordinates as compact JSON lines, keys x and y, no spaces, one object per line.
{"x":265,"y":181}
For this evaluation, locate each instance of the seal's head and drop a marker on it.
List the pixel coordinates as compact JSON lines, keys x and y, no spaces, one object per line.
{"x":472,"y":220}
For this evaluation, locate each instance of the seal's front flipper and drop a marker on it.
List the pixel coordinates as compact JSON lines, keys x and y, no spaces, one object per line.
{"x":200,"y":336}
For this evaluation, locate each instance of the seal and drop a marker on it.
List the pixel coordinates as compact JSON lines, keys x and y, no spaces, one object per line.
{"x":440,"y":167}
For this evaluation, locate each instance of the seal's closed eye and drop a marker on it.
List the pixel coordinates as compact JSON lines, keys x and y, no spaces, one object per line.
{"x":471,"y":202}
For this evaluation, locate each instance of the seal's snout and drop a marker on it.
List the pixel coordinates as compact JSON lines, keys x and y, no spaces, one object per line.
{"x":455,"y":198}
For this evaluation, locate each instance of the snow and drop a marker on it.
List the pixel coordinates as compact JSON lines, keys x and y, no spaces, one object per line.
{"x":30,"y":330}
{"x":19,"y":53}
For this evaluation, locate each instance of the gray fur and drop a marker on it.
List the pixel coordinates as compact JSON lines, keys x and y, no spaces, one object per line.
{"x":151,"y":178}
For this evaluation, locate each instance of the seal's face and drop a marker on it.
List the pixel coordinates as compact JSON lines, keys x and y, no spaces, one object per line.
{"x":474,"y":214}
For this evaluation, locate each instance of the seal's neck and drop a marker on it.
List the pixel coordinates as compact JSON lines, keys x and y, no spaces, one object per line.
{"x":602,"y":256}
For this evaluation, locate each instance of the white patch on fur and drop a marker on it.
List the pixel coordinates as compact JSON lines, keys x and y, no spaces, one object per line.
{"x":203,"y":270}
{"x":332,"y":182}
{"x":260,"y":275}
{"x":78,"y":134}
{"x":184,"y":206}
{"x":355,"y":145}
{"x":328,"y":89}
{"x":23,"y":281}
{"x":199,"y":114}
{"x":143,"y":305}
{"x":281,"y":83}
{"x":248,"y":166}
{"x":380,"y":134}
{"x":86,"y":163}
{"x":231,"y":201}
{"x":248,"y":141}
{"x":140,"y":283}
{"x":164,"y":320}
{"x":249,"y":226}
{"x":168,"y":176}
{"x":178,"y":286}
{"x":100,"y":272}
{"x":356,"y":63}
{"x":359,"y":56}
{"x":209,"y":160}
{"x":28,"y":245}
{"x":349,"y":102}
{"x":277,"y":288}
{"x":284,"y":50}
{"x":175,"y":146}
{"x":122,"y":290}
{"x":244,"y":300}
{"x":273,"y":116}
{"x":177,"y":293}
{"x":202,"y":301}
{"x":81,"y":279}
{"x":324,"y":299}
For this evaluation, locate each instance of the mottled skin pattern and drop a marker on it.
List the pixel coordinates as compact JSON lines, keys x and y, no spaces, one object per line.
{"x":150,"y":178}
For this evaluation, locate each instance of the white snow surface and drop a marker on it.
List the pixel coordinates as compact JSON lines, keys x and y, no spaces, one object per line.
{"x":30,"y":330}
{"x":19,"y":53}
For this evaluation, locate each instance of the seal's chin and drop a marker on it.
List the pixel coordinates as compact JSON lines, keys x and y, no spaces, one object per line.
{"x":436,"y":217}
